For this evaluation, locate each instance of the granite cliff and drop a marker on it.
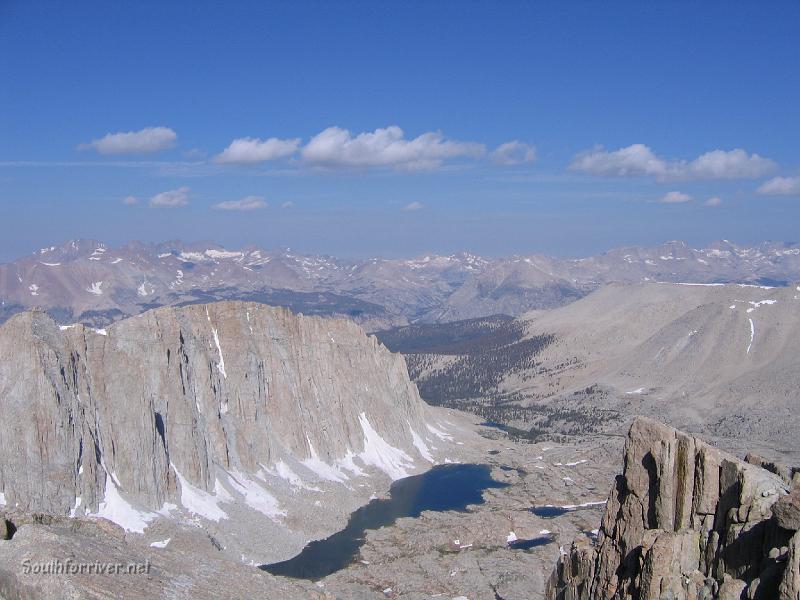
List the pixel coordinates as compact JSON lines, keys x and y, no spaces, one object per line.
{"x":245,"y":419}
{"x":686,"y":521}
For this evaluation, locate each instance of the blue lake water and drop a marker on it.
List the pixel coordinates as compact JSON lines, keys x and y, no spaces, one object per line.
{"x":445,"y":487}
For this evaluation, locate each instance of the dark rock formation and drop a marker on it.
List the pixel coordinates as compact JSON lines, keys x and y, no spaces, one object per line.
{"x":686,"y":521}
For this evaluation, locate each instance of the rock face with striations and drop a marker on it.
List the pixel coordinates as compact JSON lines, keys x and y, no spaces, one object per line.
{"x":686,"y":521}
{"x":230,"y":412}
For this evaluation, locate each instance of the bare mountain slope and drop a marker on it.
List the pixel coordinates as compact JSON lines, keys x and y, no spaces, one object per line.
{"x":722,"y":359}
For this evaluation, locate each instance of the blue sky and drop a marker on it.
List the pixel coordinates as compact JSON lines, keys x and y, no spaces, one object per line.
{"x":378,"y":128}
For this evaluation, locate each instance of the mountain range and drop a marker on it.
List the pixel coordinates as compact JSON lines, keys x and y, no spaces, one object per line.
{"x":92,"y":283}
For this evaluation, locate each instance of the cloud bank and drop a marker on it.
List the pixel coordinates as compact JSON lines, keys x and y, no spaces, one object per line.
{"x":248,"y":151}
{"x":171,"y":198}
{"x":675,"y":198}
{"x":780,"y":186}
{"x":245,"y":204}
{"x":338,"y":148}
{"x":513,"y":153}
{"x":144,"y":141}
{"x":640,"y":160}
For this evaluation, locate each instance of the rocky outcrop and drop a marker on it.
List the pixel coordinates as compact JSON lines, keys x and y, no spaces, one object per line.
{"x":228,"y":412}
{"x":686,"y":521}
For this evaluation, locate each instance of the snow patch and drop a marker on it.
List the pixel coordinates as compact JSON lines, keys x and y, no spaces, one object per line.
{"x":221,"y":363}
{"x":381,"y":454}
{"x":321,"y":468}
{"x":752,"y":335}
{"x":117,"y":510}
{"x":421,"y":447}
{"x":255,"y":496}
{"x":223,"y":254}
{"x":439,"y":433}
{"x":33,"y":288}
{"x":75,"y":508}
{"x":161,"y":544}
{"x":512,"y":537}
{"x":640,"y":390}
{"x":145,"y":289}
{"x":191,"y":257}
{"x":200,"y":502}
{"x":755,"y":305}
{"x":284,"y":471}
{"x":96,"y":288}
{"x":584,"y":505}
{"x":47,"y":264}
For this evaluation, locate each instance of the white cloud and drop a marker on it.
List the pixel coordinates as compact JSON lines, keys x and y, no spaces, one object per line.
{"x":336,"y":147}
{"x":130,"y":200}
{"x":144,"y":141}
{"x":513,"y":153}
{"x":675,"y":198}
{"x":414,"y":206}
{"x":713,"y":201}
{"x":781,"y":186}
{"x":245,"y":204}
{"x":287,"y":204}
{"x":640,"y":160}
{"x":172,"y":198}
{"x":248,"y":151}
{"x":733,"y":164}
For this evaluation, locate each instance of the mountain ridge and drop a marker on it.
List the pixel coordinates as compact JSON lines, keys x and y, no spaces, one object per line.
{"x":90,"y":282}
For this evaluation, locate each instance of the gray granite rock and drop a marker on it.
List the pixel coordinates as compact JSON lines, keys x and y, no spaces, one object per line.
{"x":234,"y":416}
{"x":787,"y":510}
{"x":683,"y":521}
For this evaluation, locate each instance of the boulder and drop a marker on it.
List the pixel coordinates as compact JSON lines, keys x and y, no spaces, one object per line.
{"x":787,"y":510}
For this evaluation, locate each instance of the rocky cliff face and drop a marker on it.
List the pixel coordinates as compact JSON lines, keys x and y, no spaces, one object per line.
{"x":229,"y":412}
{"x":686,"y":521}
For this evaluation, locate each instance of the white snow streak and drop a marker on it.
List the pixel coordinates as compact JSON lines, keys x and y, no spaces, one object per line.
{"x":640,"y":390}
{"x":202,"y":503}
{"x":752,"y":335}
{"x":161,"y":544}
{"x":321,"y":468}
{"x":221,"y":363}
{"x":116,"y":509}
{"x":438,"y":432}
{"x":255,"y":496}
{"x":379,"y":453}
{"x":421,"y":447}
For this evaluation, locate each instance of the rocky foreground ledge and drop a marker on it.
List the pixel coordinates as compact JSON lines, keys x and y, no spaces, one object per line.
{"x":686,"y":521}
